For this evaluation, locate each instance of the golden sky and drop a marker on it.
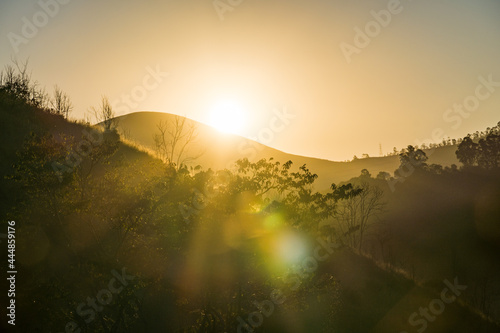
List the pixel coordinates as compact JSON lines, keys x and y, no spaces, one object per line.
{"x":353,"y":73}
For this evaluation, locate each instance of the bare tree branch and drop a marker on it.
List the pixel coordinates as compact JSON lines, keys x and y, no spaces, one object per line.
{"x":355,"y":213}
{"x":104,"y":114}
{"x":61,"y":103}
{"x":172,"y":141}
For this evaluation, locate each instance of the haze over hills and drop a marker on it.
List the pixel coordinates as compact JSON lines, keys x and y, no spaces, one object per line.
{"x":218,"y":150}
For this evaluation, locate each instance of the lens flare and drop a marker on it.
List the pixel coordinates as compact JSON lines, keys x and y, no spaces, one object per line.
{"x":291,"y":248}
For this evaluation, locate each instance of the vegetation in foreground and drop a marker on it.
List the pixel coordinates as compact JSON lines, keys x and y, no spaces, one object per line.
{"x":111,"y":239}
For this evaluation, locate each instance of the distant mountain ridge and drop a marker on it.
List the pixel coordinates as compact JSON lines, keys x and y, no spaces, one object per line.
{"x":221,"y":150}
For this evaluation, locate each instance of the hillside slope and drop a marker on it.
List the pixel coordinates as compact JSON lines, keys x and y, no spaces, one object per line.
{"x":220,"y":150}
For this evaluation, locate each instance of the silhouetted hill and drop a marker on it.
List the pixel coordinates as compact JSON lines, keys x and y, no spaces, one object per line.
{"x":220,"y":150}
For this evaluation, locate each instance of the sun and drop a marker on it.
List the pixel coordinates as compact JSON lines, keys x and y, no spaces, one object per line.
{"x":227,"y":116}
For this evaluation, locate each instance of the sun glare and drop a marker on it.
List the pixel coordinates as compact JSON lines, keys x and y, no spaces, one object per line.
{"x":228,"y":117}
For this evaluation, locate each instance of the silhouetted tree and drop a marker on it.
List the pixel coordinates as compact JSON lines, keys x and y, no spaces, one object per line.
{"x":173,"y":140}
{"x":16,"y":82}
{"x":467,"y":152}
{"x":356,"y":210}
{"x":104,"y":114}
{"x":435,"y":168}
{"x":411,"y":159}
{"x":61,"y":104}
{"x":489,"y":151}
{"x":365,"y":173}
{"x":383,"y":175}
{"x":452,"y":168}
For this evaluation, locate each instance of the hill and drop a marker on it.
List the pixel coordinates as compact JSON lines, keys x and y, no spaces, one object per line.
{"x":221,"y":150}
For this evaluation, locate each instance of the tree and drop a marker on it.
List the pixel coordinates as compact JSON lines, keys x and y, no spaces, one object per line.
{"x":172,"y":141}
{"x":61,"y":104}
{"x":104,"y":114}
{"x":435,"y":168}
{"x":357,"y":210}
{"x":467,"y":152}
{"x":264,"y":193}
{"x":96,"y":154}
{"x":489,"y":151}
{"x":383,"y":175}
{"x":16,"y":82}
{"x":411,"y":159}
{"x":365,"y":173}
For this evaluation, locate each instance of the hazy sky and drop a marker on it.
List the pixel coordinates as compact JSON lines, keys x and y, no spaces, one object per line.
{"x":351,"y":81}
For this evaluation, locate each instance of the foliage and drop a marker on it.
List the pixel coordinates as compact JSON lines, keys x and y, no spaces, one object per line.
{"x":484,"y":154}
